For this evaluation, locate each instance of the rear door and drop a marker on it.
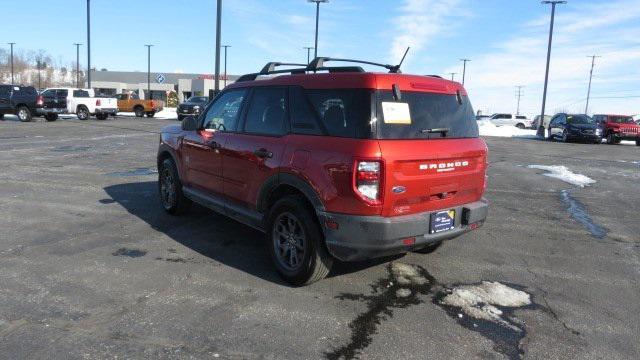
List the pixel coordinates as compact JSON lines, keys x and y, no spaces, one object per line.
{"x":433,"y":157}
{"x":255,"y":153}
{"x":5,"y":99}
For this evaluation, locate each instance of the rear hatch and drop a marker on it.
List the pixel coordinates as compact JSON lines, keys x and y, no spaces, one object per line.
{"x":433,"y":157}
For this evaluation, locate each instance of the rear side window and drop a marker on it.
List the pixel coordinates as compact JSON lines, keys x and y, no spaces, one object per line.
{"x":224,"y":112}
{"x":267,"y":111}
{"x":427,"y":112}
{"x":80,"y":93}
{"x":343,"y":113}
{"x":304,"y":120}
{"x":4,"y":90}
{"x":62,"y":93}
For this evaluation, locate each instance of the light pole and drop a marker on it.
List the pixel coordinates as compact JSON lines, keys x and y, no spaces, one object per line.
{"x":308,"y":48}
{"x":593,"y":61}
{"x":11,"y":44}
{"x":315,"y":49}
{"x":148,"y":70}
{"x":218,"y":30}
{"x":225,"y":63}
{"x":88,"y":44}
{"x":77,"y":64}
{"x":519,"y":95}
{"x":546,"y":74}
{"x":452,"y":75}
{"x":464,"y":68}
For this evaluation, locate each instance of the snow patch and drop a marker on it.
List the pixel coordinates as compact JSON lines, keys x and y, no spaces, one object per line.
{"x":561,"y":172}
{"x":167,"y":113}
{"x":407,"y":274}
{"x":482,"y":301}
{"x":487,"y":128}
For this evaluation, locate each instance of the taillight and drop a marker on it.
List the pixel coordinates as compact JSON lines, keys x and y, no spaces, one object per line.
{"x":153,"y":104}
{"x":98,"y":102}
{"x":39,"y":100}
{"x":367,"y":180}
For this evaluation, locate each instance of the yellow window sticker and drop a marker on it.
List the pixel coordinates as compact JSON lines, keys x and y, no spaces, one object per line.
{"x":396,"y":113}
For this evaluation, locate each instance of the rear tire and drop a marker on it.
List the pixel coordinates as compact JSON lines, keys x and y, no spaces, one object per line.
{"x":102,"y":116}
{"x":637,"y":142}
{"x":549,"y":136}
{"x":82,"y":113}
{"x":150,"y":113}
{"x":429,"y":248}
{"x":139,"y":111}
{"x":24,"y":114}
{"x":51,"y":117}
{"x":180,"y":117}
{"x":565,"y":136}
{"x":293,"y":228}
{"x":520,"y":126}
{"x":170,"y":189}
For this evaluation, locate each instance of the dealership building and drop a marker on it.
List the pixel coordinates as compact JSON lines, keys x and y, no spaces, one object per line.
{"x":185,"y":85}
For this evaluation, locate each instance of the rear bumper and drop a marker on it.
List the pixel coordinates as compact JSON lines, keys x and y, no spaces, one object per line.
{"x":365,"y":237}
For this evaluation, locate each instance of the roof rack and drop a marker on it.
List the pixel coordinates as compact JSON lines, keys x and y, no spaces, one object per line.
{"x":318,"y":63}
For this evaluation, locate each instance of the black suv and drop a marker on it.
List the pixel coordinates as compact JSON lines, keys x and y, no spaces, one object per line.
{"x":18,"y":100}
{"x":192,"y":106}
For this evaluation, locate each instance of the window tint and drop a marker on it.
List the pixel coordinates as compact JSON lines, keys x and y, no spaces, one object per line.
{"x":80,"y":93}
{"x":224,"y":111}
{"x":343,"y":113}
{"x":303,"y":117}
{"x":4,"y":90}
{"x":428,"y":111}
{"x":62,"y":92}
{"x":267,"y":111}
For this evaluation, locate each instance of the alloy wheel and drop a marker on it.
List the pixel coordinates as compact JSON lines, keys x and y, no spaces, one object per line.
{"x":289,"y":241}
{"x":167,"y":189}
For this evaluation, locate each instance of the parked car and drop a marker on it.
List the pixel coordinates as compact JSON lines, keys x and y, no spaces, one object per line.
{"x":132,"y":103}
{"x":568,"y":127}
{"x":343,"y":164}
{"x":502,"y":119}
{"x":192,"y":106}
{"x":82,"y":102}
{"x":18,"y":100}
{"x":482,"y":117}
{"x":536,"y":121}
{"x":616,"y":128}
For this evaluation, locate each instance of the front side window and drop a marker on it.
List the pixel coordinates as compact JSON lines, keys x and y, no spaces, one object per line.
{"x":267,"y":111}
{"x":223,"y":114}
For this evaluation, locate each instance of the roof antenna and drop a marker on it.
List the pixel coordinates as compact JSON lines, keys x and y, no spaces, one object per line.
{"x":396,"y":69}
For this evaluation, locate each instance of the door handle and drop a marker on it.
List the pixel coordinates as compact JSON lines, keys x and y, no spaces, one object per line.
{"x":263,"y":153}
{"x":213,"y":144}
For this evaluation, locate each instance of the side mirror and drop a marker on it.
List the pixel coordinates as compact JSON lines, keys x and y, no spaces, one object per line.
{"x":190,"y":123}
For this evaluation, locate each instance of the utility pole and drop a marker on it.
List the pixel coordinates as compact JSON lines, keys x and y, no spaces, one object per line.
{"x":452,"y":75}
{"x":308,"y":48}
{"x":593,"y":61}
{"x":11,"y":44}
{"x":546,"y":74}
{"x":216,"y":87}
{"x":519,"y":95}
{"x":88,"y":44}
{"x":77,"y":64}
{"x":315,"y":49}
{"x":225,"y":63}
{"x":148,"y":70}
{"x":464,"y":68}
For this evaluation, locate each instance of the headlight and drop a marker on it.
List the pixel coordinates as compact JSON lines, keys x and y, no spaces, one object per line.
{"x":598,"y":131}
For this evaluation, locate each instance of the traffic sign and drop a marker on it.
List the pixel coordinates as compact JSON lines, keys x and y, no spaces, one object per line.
{"x":160,"y":78}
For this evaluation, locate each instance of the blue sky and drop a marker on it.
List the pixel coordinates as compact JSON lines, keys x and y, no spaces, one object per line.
{"x":506,"y":41}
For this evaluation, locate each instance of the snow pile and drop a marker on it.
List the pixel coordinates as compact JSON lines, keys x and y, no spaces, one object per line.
{"x":561,"y":172}
{"x":487,"y":128}
{"x":167,"y":113}
{"x":482,"y":301}
{"x":407,"y":274}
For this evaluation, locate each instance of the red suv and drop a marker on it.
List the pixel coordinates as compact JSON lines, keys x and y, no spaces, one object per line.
{"x":616,"y":128}
{"x":332,"y":163}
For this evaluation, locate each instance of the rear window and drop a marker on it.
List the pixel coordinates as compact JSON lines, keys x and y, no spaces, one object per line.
{"x":428,"y":115}
{"x":80,"y":93}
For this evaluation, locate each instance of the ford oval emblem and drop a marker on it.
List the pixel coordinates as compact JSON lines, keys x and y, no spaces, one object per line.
{"x":398,"y":189}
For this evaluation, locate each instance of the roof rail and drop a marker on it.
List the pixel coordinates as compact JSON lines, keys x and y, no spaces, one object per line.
{"x":270,"y":69}
{"x":271,"y":66}
{"x":318,"y":63}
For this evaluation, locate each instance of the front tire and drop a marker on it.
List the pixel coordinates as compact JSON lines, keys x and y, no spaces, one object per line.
{"x":24,"y":114}
{"x":565,"y":136}
{"x":170,"y":188}
{"x":296,"y":243}
{"x":82,"y":113}
{"x":139,"y":111}
{"x":51,"y":117}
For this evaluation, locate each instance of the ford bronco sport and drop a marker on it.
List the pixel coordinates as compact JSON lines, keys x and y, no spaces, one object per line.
{"x":332,"y":163}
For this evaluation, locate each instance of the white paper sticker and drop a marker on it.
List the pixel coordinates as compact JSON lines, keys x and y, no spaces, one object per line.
{"x":396,"y":113}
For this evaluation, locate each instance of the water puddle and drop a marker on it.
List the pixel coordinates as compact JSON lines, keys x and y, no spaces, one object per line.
{"x":135,"y":172}
{"x":487,"y":308}
{"x":70,"y":148}
{"x":133,"y":253}
{"x":579,"y":212}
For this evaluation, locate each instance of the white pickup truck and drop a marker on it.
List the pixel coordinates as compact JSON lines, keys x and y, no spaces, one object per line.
{"x":82,"y":102}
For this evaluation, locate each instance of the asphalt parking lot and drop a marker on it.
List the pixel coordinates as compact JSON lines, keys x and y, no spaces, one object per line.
{"x":91,"y":267}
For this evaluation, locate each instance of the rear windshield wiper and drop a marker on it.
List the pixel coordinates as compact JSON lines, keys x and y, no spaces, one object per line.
{"x":442,"y":131}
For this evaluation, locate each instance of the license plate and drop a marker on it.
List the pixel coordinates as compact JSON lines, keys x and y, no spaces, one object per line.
{"x":442,"y":221}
